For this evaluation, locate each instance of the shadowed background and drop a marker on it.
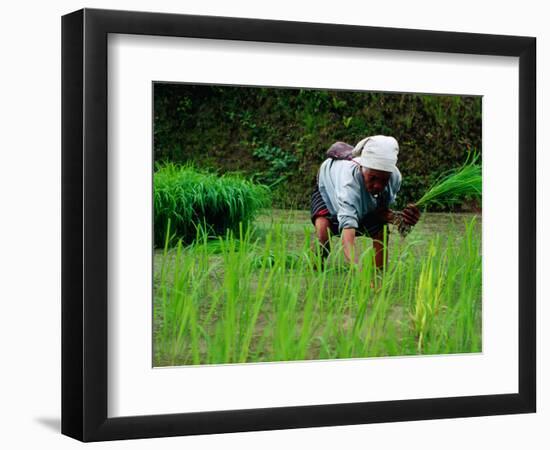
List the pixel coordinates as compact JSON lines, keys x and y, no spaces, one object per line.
{"x":278,"y":137}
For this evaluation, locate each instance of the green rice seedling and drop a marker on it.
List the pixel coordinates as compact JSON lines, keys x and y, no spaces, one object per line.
{"x":447,"y":311}
{"x":451,"y":189}
{"x":428,"y":291}
{"x":242,"y":298}
{"x":188,"y":197}
{"x":455,"y":186}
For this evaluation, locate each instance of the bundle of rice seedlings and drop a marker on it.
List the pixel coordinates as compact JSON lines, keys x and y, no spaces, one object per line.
{"x":188,"y":197}
{"x":451,"y":189}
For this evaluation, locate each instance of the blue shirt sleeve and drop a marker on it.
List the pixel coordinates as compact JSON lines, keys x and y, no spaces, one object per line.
{"x":348,"y":198}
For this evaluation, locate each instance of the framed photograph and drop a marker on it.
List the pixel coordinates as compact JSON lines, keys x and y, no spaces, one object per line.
{"x":273,"y":225}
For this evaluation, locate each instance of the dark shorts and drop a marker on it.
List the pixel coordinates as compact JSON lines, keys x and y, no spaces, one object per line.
{"x":370,"y":226}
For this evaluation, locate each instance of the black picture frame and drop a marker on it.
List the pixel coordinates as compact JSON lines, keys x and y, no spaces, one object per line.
{"x":84,"y":224}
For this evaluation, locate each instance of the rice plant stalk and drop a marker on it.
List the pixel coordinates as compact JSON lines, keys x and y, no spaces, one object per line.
{"x":237,"y":299}
{"x":451,"y":189}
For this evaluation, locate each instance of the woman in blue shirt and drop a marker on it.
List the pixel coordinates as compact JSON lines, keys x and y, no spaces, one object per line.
{"x":353,"y":195}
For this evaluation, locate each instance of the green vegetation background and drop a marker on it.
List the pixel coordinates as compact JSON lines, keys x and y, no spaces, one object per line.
{"x":279,"y":137}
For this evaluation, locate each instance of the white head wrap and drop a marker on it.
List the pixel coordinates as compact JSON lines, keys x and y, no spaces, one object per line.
{"x":377,"y":152}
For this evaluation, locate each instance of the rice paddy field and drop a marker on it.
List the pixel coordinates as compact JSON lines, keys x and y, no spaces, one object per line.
{"x":238,"y":276}
{"x":258,"y":294}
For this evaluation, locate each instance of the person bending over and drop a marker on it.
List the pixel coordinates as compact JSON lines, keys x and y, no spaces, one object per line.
{"x":354,"y":190}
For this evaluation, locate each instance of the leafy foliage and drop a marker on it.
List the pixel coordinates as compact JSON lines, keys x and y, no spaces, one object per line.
{"x":222,"y":127}
{"x":279,"y":164}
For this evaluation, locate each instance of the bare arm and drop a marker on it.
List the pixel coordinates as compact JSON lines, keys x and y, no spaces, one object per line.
{"x":348,"y":241}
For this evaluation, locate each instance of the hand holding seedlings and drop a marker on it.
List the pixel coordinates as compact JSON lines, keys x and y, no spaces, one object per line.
{"x":411,"y":214}
{"x":451,"y":189}
{"x":406,"y":219}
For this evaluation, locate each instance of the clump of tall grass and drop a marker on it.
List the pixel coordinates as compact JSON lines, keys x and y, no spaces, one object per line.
{"x":455,"y":186}
{"x":451,"y":189}
{"x":185,"y":197}
{"x":238,"y":299}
